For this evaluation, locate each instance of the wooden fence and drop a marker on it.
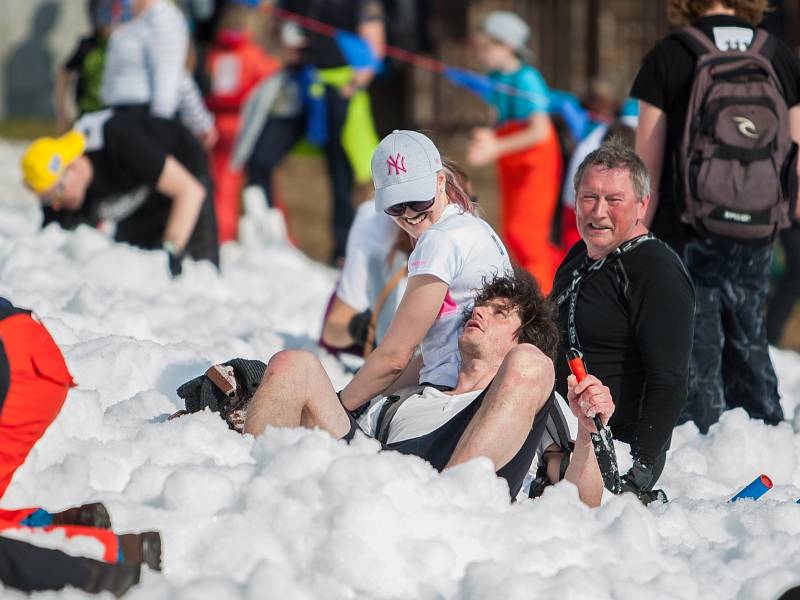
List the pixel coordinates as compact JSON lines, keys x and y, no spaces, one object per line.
{"x":574,"y":42}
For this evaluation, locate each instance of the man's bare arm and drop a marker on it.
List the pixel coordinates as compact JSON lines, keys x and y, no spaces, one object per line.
{"x":187,"y":196}
{"x":586,"y":399}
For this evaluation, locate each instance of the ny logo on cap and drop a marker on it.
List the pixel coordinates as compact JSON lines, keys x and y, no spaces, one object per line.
{"x":398,"y":163}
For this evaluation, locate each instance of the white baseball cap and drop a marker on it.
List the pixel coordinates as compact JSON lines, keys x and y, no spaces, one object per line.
{"x":508,"y":28}
{"x":404,"y":169}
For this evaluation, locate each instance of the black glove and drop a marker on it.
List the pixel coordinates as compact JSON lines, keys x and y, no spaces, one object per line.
{"x":247,"y":372}
{"x":639,"y":480}
{"x":175,"y":258}
{"x":358,"y":327}
{"x":200,"y":392}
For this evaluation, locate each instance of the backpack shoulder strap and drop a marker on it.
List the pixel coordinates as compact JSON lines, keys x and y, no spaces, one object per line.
{"x":764,"y":44}
{"x":696,"y":41}
{"x":390,"y":408}
{"x":558,"y":430}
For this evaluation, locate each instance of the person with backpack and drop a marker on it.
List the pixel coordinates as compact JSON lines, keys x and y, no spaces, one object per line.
{"x":719,"y":108}
{"x":627,"y":303}
{"x":334,"y":113}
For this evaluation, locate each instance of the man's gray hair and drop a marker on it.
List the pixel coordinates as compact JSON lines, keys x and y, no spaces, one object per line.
{"x":616,"y":154}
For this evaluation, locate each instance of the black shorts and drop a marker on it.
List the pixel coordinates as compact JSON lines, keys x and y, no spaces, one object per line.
{"x":438,"y":446}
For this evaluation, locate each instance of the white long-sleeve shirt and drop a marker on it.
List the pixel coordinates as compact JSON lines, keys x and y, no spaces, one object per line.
{"x":146,"y":60}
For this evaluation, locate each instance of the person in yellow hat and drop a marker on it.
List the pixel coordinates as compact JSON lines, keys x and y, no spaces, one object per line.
{"x":146,"y":176}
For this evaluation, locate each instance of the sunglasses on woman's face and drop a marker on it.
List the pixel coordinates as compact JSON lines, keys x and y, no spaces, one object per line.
{"x":398,"y":210}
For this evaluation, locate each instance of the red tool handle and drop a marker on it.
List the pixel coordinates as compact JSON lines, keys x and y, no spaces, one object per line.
{"x":578,"y":368}
{"x":576,"y":364}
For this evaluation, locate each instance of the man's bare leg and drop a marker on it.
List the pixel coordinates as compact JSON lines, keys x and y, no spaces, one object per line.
{"x":295,"y":391}
{"x":503,"y":421}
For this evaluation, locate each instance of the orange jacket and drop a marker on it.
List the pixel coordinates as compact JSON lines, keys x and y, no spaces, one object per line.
{"x":235,"y":65}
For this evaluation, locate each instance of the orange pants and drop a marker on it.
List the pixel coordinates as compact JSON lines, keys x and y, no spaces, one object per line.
{"x":530,"y":182}
{"x":227,"y":181}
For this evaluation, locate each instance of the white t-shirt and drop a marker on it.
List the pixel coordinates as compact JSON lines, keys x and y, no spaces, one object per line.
{"x":367,"y":268}
{"x":461,"y":250}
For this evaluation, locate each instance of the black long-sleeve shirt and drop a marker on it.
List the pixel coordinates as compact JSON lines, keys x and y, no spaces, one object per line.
{"x":635,"y":323}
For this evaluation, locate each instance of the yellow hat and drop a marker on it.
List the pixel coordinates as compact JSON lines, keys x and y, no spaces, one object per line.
{"x":46,"y":158}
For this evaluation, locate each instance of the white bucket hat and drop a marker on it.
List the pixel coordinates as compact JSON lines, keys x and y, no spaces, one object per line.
{"x":508,"y":28}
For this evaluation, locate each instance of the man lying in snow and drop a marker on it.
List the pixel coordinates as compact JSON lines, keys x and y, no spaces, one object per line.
{"x":498,"y":408}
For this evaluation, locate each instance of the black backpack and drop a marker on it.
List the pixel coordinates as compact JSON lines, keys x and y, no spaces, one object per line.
{"x":737,"y":163}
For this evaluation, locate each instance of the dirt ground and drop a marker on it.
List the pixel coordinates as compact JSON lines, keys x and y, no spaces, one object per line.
{"x":309,"y":205}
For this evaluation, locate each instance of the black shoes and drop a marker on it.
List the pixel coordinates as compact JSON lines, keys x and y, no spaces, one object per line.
{"x":142,"y":547}
{"x":87,"y":515}
{"x":117,"y":579}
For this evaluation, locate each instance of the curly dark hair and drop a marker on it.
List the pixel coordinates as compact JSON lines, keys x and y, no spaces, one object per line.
{"x":536,"y":312}
{"x":685,"y":12}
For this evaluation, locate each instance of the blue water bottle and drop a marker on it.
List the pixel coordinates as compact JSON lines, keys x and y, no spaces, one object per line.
{"x":755,"y":489}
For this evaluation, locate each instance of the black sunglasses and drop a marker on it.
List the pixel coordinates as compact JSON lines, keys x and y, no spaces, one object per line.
{"x":397,"y":210}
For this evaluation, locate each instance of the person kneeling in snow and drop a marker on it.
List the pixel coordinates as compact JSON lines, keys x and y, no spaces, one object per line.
{"x":34,"y":381}
{"x":145,"y":176}
{"x":498,"y":408}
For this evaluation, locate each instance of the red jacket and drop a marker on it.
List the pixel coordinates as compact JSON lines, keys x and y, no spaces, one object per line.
{"x":235,"y":65}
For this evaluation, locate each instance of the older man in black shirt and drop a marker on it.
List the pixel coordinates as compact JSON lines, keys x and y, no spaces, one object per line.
{"x":626,"y":301}
{"x":145,"y":176}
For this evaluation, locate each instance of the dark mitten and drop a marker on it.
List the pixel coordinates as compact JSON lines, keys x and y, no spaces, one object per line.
{"x":200,"y":393}
{"x":248,"y":373}
{"x":175,"y":258}
{"x":638,"y":478}
{"x":358,"y":327}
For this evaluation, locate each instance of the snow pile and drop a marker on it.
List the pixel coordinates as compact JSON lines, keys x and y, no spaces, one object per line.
{"x":296,"y":514}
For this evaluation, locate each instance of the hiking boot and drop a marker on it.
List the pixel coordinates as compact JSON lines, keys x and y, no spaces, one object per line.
{"x":117,"y":579}
{"x":142,"y":547}
{"x":87,"y":515}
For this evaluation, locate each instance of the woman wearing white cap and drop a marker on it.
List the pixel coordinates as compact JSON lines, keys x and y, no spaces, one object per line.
{"x":454,"y":251}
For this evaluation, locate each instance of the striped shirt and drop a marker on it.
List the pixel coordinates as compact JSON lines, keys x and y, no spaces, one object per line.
{"x":146,"y":65}
{"x":191,"y":107}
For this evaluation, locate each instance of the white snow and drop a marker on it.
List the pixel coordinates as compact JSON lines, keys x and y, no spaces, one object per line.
{"x":296,"y":514}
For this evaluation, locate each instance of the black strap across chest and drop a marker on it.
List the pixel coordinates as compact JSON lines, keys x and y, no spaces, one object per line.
{"x":585,"y":271}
